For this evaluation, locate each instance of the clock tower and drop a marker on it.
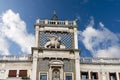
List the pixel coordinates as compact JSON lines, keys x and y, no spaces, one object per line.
{"x":56,"y":55}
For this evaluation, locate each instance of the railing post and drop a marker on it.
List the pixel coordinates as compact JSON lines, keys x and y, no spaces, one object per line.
{"x":74,"y":23}
{"x":46,"y":21}
{"x":66,"y":22}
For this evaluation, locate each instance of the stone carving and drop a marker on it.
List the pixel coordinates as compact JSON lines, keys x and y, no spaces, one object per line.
{"x":56,"y":74}
{"x":55,"y":42}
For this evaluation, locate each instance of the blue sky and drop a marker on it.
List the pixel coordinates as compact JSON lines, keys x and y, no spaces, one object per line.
{"x":100,"y":17}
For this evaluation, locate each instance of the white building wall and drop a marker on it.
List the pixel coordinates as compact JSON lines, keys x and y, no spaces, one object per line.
{"x":4,"y":70}
{"x":102,"y":69}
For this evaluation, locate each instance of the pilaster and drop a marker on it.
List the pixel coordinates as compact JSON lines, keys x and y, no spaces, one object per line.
{"x":37,"y":36}
{"x":17,"y":73}
{"x":75,"y":38}
{"x":34,"y":66}
{"x":77,"y":66}
{"x":117,"y":76}
{"x":89,"y":76}
{"x":61,"y":73}
{"x":107,"y":74}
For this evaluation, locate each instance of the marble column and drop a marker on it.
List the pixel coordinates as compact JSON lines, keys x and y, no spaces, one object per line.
{"x":89,"y":75}
{"x":117,"y":76}
{"x":17,"y":73}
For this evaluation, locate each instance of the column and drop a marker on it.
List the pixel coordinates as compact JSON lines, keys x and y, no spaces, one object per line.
{"x":89,"y":75}
{"x":61,"y":73}
{"x":37,"y":36}
{"x":107,"y":74}
{"x":17,"y":73}
{"x":77,"y":65}
{"x":34,"y":67}
{"x":117,"y":76}
{"x":75,"y":38}
{"x":50,"y":73}
{"x":66,"y":22}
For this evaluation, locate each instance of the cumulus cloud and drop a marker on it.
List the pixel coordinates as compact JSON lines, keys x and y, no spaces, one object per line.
{"x":4,"y":46}
{"x":14,"y":28}
{"x":100,"y":42}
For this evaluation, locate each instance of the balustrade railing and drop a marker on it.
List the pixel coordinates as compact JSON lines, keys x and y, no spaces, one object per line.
{"x":57,"y":22}
{"x":99,"y":60}
{"x":82,"y":59}
{"x":15,"y":57}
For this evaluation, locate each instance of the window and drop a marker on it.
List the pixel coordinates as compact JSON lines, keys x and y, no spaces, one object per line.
{"x":69,"y":76}
{"x":43,"y":77}
{"x":12,"y":73}
{"x":23,"y":73}
{"x":84,"y":75}
{"x":112,"y":76}
{"x":94,"y":75}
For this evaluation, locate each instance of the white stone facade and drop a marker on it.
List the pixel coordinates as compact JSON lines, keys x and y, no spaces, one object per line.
{"x":57,"y":63}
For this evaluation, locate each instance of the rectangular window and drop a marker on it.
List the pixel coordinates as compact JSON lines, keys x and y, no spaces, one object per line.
{"x":112,"y":76}
{"x":84,"y":75}
{"x":23,"y":73}
{"x":68,"y":77}
{"x":43,"y":77}
{"x":12,"y":73}
{"x":94,"y":75}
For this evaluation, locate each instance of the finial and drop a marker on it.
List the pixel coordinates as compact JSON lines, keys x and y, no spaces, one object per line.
{"x":54,"y":17}
{"x":54,"y":12}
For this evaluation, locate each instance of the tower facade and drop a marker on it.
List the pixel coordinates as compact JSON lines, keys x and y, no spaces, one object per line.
{"x":56,"y":55}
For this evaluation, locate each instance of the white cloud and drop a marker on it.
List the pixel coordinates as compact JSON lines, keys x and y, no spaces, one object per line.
{"x":14,"y":29}
{"x":110,"y":52}
{"x":3,"y":46}
{"x":100,"y":42}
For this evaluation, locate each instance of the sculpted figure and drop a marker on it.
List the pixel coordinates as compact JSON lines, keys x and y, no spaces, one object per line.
{"x":55,"y":42}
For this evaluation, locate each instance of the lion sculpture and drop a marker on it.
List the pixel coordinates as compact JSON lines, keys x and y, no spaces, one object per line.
{"x":55,"y":42}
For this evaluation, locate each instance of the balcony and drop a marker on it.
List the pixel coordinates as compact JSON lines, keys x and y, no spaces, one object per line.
{"x":55,"y":22}
{"x":100,"y":60}
{"x":15,"y":58}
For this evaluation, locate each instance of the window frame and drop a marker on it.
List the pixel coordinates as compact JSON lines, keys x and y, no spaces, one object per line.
{"x":22,"y":75}
{"x":68,"y":74}
{"x":44,"y":74}
{"x":11,"y":75}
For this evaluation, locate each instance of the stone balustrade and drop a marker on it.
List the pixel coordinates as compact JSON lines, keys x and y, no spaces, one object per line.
{"x":15,"y":57}
{"x":55,"y":22}
{"x":82,"y":59}
{"x":99,"y":60}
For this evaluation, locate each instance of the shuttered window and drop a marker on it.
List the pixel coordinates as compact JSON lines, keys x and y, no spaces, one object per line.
{"x":12,"y":73}
{"x":23,"y":73}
